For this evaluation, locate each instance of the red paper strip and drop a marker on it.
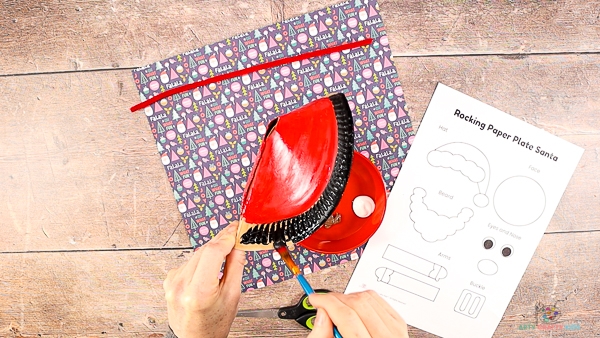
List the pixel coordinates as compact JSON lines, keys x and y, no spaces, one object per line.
{"x":241,"y":72}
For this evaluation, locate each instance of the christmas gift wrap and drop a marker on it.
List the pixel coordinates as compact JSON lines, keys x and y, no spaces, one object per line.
{"x":208,"y":137}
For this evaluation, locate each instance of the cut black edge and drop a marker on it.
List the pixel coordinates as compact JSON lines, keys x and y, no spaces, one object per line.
{"x":298,"y":228}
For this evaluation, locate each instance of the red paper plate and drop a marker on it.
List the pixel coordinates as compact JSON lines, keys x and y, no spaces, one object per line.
{"x":352,"y":231}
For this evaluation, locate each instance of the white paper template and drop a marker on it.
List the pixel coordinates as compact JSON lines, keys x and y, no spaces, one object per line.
{"x":471,"y":203}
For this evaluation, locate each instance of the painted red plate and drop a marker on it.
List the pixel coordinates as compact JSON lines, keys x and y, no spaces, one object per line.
{"x":352,"y":231}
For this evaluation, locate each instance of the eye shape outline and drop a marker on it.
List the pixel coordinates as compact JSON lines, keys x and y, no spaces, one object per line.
{"x":507,"y":246}
{"x":490,"y":239}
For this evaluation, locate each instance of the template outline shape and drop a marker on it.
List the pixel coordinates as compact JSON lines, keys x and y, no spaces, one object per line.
{"x":508,"y":217}
{"x":487,"y":267}
{"x":418,"y":208}
{"x":466,"y":152}
{"x":406,"y":283}
{"x":415,"y":263}
{"x":473,"y":305}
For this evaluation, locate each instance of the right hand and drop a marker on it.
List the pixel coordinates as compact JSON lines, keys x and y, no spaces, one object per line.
{"x":362,"y":314}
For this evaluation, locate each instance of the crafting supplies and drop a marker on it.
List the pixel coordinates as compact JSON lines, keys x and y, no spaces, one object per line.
{"x":299,"y":176}
{"x":208,"y":137}
{"x":303,"y":313}
{"x":285,"y":255}
{"x":255,"y":68}
{"x":347,"y":229}
{"x":463,"y":226}
{"x":298,"y":179}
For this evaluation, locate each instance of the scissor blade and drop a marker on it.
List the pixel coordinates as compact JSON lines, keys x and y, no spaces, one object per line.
{"x":265,"y":313}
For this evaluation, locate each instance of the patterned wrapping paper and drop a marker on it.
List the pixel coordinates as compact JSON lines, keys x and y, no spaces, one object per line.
{"x":209,"y":137}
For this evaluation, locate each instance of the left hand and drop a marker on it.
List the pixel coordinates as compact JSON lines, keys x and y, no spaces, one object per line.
{"x":198,"y":303}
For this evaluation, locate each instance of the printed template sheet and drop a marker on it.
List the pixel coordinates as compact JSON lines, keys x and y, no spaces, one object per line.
{"x":470,"y":205}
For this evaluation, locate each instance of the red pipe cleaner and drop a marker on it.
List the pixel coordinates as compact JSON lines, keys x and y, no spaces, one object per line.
{"x":240,"y":72}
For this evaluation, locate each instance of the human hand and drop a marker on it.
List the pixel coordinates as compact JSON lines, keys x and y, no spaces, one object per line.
{"x":198,"y":303}
{"x":362,"y":314}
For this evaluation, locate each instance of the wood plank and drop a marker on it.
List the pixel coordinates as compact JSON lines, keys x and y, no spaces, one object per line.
{"x":81,"y":172}
{"x":113,"y":294}
{"x":560,"y":94}
{"x":58,"y":36}
{"x":491,"y":27}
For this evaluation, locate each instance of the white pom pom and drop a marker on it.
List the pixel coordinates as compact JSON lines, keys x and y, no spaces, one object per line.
{"x":363,"y":206}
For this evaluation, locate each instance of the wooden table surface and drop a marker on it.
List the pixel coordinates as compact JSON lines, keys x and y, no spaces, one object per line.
{"x":88,"y":222}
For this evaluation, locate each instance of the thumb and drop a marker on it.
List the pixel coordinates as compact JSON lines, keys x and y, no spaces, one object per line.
{"x":213,"y":254}
{"x":232,"y":274}
{"x":323,"y":327}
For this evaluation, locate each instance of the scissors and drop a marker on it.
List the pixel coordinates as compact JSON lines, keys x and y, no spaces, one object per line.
{"x":303,"y":313}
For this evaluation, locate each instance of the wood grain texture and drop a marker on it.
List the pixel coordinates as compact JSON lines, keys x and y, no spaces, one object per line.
{"x":58,"y":36}
{"x":66,"y":36}
{"x":449,"y":27}
{"x":560,"y":94}
{"x":109,"y":294}
{"x":119,"y":294}
{"x":82,"y":172}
